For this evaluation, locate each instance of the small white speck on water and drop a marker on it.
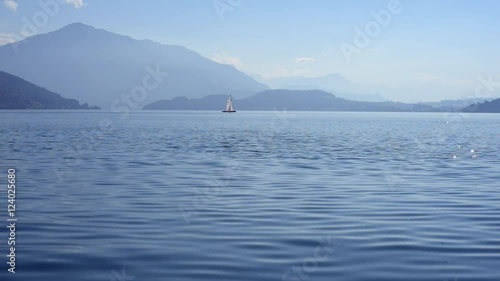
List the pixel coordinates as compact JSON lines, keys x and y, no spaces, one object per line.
{"x":472,"y":151}
{"x":454,"y":157}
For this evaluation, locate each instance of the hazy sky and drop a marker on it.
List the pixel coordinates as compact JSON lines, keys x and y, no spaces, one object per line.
{"x":417,"y":50}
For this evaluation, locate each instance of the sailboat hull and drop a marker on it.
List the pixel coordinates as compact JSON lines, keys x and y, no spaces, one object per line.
{"x":229,"y":111}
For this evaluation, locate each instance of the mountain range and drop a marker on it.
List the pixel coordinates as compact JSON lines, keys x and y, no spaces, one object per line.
{"x":100,"y":67}
{"x":292,"y":100}
{"x":16,"y":93}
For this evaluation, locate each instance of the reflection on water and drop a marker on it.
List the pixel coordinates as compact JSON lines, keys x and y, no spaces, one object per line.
{"x":254,"y":196}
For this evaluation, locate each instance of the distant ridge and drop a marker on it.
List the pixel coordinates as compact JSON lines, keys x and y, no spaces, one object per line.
{"x":16,"y":93}
{"x":293,"y":100}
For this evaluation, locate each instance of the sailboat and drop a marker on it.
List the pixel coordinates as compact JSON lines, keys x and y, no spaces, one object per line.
{"x":229,"y":105}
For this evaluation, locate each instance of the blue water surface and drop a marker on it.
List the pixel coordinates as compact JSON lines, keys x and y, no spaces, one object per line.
{"x":198,"y":195}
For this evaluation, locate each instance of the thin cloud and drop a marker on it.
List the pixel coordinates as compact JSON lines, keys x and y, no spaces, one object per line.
{"x":6,"y":38}
{"x":304,"y":60}
{"x":224,"y":58}
{"x":11,"y":4}
{"x":26,"y":33}
{"x":76,"y":3}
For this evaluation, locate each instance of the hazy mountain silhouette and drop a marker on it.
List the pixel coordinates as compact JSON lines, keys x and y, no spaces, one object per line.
{"x":97,"y":66}
{"x":330,"y":83}
{"x":456,"y":105}
{"x":293,"y":100}
{"x":485,"y":107}
{"x":212,"y":102}
{"x":16,"y":93}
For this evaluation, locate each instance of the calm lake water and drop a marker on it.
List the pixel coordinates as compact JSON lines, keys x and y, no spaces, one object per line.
{"x":253,"y":196}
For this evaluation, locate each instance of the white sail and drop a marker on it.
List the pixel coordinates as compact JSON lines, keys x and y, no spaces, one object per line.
{"x":229,"y":105}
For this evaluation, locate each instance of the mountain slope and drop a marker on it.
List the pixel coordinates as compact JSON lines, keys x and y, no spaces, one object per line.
{"x":98,"y":66}
{"x":16,"y":93}
{"x":485,"y":107}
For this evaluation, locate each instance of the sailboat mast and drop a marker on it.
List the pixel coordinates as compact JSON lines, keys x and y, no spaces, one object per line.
{"x":229,"y":104}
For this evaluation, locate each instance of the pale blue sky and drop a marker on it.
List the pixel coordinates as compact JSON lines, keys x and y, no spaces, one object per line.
{"x":430,"y":50}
